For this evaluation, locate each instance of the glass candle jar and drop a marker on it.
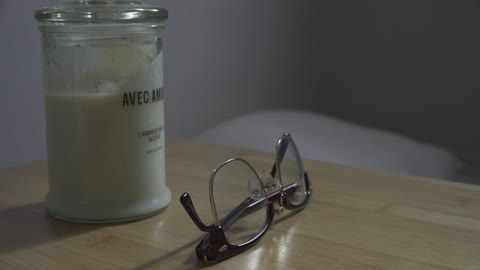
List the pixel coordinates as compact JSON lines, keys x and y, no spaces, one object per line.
{"x":104,"y":108}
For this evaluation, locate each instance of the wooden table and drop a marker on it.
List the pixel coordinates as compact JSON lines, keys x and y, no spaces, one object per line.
{"x":356,"y":219}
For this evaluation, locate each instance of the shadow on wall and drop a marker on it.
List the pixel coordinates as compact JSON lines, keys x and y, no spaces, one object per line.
{"x":407,"y":66}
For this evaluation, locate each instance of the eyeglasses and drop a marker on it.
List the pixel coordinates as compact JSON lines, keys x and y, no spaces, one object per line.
{"x":242,"y":202}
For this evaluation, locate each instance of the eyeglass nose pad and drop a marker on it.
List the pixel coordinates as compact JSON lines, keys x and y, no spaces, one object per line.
{"x":254,"y":188}
{"x":271,"y":184}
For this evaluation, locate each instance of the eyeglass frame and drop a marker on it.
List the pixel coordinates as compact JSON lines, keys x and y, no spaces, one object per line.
{"x":214,"y":246}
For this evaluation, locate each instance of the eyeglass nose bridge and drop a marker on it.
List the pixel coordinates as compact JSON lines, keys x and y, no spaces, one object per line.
{"x":271,"y":186}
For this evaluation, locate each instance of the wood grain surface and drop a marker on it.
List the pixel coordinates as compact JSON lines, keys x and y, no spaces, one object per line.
{"x":356,"y":219}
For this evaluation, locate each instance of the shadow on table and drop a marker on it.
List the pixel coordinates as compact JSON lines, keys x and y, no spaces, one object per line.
{"x":29,"y":225}
{"x":190,"y":262}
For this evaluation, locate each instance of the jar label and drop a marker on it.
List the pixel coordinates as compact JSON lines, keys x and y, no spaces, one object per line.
{"x":142,"y":97}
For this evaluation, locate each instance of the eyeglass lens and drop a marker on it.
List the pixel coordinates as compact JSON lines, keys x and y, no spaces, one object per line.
{"x":291,"y":173}
{"x":236,"y":186}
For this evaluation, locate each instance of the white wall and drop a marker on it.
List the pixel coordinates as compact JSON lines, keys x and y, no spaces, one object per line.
{"x":22,"y":132}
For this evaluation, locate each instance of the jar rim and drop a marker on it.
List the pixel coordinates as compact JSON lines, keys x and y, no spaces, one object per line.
{"x":101,"y":12}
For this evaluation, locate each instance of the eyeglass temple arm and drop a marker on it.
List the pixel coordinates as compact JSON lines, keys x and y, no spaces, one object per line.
{"x":187,"y":203}
{"x":249,"y":205}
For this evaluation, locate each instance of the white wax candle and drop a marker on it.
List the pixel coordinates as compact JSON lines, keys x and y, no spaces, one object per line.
{"x":106,"y":154}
